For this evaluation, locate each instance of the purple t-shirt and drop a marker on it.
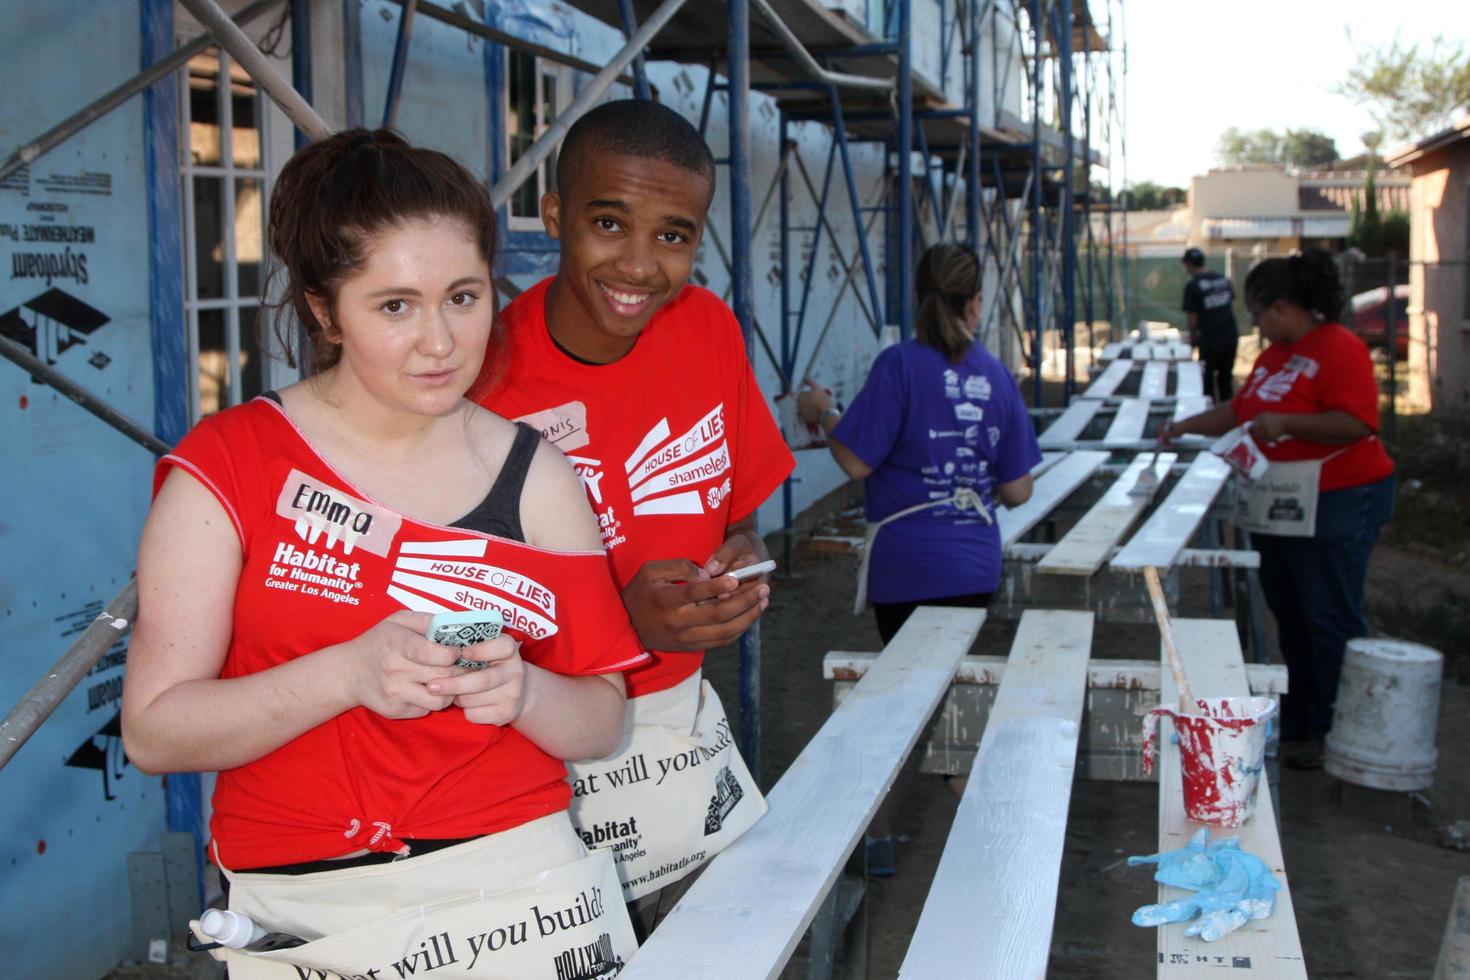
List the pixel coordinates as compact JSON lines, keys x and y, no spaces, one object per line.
{"x":927,"y":428}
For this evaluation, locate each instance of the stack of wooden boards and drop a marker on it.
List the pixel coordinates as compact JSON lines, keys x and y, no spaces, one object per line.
{"x":991,"y":905}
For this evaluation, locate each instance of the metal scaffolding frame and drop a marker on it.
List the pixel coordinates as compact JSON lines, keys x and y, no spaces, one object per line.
{"x":820,"y":68}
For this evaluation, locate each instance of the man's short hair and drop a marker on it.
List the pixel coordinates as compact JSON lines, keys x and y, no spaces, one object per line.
{"x":1194,"y":257}
{"x":635,"y":128}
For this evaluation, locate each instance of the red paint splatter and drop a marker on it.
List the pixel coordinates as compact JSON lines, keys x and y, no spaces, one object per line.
{"x":40,"y":847}
{"x":1213,"y":766}
{"x":25,"y":403}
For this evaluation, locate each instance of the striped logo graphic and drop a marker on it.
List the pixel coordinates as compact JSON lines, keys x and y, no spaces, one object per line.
{"x":664,"y":470}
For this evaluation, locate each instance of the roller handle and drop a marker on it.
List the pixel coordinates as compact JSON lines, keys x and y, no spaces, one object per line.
{"x":1187,"y":704}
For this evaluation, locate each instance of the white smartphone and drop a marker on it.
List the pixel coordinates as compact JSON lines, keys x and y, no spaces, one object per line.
{"x":751,"y":571}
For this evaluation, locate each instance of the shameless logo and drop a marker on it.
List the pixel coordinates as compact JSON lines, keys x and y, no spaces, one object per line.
{"x":437,"y":576}
{"x":664,"y":468}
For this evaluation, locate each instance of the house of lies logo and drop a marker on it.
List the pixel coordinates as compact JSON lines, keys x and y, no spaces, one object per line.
{"x":52,"y":323}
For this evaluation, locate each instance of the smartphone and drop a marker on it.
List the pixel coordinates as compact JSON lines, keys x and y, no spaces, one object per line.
{"x":751,"y":571}
{"x":466,"y":628}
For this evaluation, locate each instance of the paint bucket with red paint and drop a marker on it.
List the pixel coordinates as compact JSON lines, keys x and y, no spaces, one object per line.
{"x":1221,"y":753}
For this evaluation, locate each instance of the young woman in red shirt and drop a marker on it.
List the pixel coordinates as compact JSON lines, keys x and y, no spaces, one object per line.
{"x":391,"y":803}
{"x":1311,"y":403}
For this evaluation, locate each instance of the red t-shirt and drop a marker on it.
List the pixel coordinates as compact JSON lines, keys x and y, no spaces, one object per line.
{"x":1327,"y":369}
{"x":674,"y":441}
{"x":323,"y":563}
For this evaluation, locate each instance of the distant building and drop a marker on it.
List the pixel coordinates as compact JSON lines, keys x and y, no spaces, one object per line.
{"x":1268,"y":208}
{"x":1439,"y":270}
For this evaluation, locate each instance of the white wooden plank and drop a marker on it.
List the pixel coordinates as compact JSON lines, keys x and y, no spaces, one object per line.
{"x":1087,"y":545}
{"x":1034,"y":551}
{"x":991,"y":905}
{"x":1048,"y":460}
{"x":1050,"y":489}
{"x":1112,"y":351}
{"x":1188,"y":405}
{"x":1173,"y":522}
{"x":1266,"y":948}
{"x":1267,"y":680}
{"x":1129,"y":423}
{"x":1069,"y":425}
{"x":1106,"y":383}
{"x":1180,"y":351}
{"x":1189,"y":379}
{"x":750,"y":907}
{"x":1155,"y":382}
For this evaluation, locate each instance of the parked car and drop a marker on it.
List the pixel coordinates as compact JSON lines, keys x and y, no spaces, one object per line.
{"x":1370,"y":318}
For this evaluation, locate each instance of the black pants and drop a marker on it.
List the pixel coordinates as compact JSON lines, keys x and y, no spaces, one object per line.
{"x":1314,"y":587}
{"x":1218,"y":357}
{"x":892,"y":615}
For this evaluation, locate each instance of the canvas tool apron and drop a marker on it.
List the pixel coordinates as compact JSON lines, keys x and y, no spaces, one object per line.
{"x":529,"y":902}
{"x":1284,"y":500}
{"x":674,"y":795}
{"x":965,"y":498}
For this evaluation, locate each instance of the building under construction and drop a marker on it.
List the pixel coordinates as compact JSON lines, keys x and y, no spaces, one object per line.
{"x":140,"y":139}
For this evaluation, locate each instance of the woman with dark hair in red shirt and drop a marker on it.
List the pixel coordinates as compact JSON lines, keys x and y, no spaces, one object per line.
{"x":380,"y":797}
{"x":1311,"y":403}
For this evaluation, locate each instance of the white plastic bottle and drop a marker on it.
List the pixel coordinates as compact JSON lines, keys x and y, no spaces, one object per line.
{"x":230,"y":928}
{"x":239,"y":931}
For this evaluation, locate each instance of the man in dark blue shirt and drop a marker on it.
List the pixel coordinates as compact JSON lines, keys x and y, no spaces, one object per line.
{"x":1208,"y":299}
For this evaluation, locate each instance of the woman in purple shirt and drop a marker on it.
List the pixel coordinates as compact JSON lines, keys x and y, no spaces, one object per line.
{"x":939,"y":436}
{"x":938,"y":426}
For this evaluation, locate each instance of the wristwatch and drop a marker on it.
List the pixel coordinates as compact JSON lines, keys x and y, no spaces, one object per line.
{"x":828,"y":411}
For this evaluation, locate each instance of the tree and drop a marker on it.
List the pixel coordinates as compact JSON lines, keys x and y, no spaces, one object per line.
{"x":1299,"y":148}
{"x":1376,"y":234}
{"x":1147,"y":195}
{"x":1412,"y":91}
{"x":1237,"y":147}
{"x":1307,"y":148}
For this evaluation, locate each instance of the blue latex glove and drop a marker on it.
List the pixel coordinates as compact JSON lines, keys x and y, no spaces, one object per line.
{"x":1230,"y":887}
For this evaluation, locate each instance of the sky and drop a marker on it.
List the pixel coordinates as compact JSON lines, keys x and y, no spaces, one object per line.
{"x":1197,"y":68}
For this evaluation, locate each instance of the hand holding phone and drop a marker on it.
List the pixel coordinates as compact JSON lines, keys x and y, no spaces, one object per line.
{"x":465,"y":629}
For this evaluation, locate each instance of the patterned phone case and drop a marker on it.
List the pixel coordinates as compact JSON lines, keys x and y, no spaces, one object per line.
{"x":460,"y":630}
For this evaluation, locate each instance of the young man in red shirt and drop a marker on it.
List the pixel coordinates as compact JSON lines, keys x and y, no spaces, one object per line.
{"x":642,"y":380}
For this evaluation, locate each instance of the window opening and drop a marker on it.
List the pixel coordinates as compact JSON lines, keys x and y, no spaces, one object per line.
{"x":536,"y":92}
{"x":225,"y":190}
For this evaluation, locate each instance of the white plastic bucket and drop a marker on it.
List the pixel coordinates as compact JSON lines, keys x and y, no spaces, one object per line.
{"x":1221,"y":753}
{"x":1387,"y":715}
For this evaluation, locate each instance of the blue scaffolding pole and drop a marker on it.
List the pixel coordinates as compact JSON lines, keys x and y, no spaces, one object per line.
{"x":905,"y":143}
{"x":741,"y":274}
{"x":1033,"y":234}
{"x":1067,"y":313}
{"x":400,"y":62}
{"x":972,"y":94}
{"x":630,"y":27}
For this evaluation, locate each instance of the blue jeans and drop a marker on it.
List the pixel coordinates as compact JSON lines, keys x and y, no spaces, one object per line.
{"x":1314,"y":587}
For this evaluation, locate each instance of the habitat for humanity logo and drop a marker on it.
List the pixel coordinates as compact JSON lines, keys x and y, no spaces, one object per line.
{"x":663,"y":470}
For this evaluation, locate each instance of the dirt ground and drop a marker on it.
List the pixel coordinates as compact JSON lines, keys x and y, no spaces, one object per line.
{"x":1369,"y":879}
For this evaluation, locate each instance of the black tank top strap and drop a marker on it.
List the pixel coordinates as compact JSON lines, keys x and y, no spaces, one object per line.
{"x":500,"y":512}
